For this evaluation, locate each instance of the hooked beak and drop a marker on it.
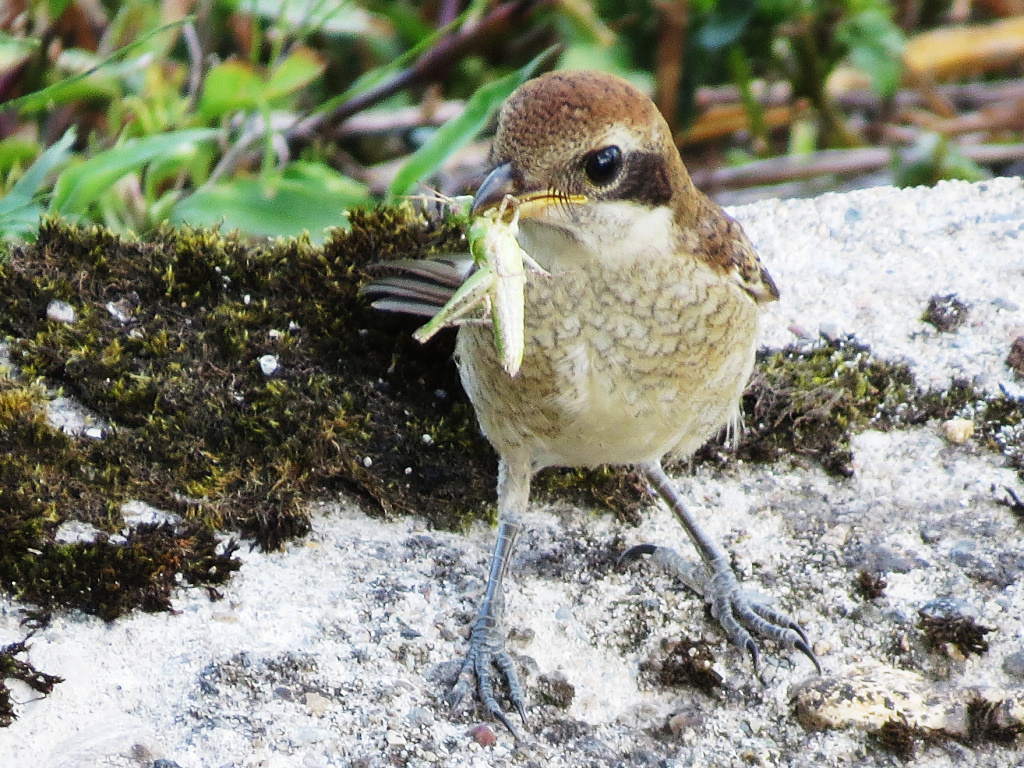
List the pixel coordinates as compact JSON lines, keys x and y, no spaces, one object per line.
{"x":499,"y":182}
{"x":503,"y":181}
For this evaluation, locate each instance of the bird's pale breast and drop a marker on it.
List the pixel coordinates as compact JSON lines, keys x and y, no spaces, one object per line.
{"x":623,"y":364}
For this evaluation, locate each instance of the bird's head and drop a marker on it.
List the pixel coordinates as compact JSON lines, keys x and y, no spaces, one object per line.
{"x":596,"y":172}
{"x":588,"y":156}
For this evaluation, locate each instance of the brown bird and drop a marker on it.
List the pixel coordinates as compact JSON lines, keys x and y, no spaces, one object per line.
{"x":638,"y":343}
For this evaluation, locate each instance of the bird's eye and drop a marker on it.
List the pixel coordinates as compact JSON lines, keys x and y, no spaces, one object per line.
{"x":603,"y":165}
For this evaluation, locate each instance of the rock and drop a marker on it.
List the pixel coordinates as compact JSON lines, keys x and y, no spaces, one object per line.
{"x":395,"y":739}
{"x":958,"y":431}
{"x":1013,"y":665}
{"x":483,"y":735}
{"x":317,"y":704}
{"x":869,"y":695}
{"x":61,"y":312}
{"x":269,"y":365}
{"x":77,"y":532}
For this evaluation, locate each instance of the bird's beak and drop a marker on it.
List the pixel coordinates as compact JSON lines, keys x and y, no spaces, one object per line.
{"x":499,"y":182}
{"x":503,"y":181}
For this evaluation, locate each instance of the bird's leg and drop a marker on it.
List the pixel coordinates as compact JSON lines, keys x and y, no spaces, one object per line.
{"x":487,"y":640}
{"x":715,"y":581}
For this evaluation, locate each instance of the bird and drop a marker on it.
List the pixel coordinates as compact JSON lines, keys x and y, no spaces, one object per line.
{"x":640,"y":334}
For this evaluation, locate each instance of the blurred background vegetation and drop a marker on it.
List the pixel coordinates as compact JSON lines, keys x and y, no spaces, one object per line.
{"x":277,"y":116}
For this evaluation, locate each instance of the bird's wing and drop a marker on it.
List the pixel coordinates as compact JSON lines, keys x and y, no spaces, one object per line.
{"x":726,"y":246}
{"x":418,"y":286}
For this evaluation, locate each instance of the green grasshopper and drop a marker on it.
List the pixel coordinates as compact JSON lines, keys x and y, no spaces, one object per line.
{"x":498,"y":282}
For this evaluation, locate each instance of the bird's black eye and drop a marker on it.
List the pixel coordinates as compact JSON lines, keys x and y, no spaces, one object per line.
{"x":603,"y":165}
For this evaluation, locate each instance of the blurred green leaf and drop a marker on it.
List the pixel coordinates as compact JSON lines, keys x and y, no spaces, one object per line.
{"x":14,"y":50}
{"x":82,"y":184}
{"x":405,"y":18}
{"x":460,"y":130}
{"x":60,"y":92}
{"x":304,"y":197}
{"x":613,"y":59}
{"x":17,"y":150}
{"x":19,"y":211}
{"x":933,"y":158}
{"x":82,"y":80}
{"x":875,"y":44}
{"x":377,"y":75}
{"x":57,"y":7}
{"x":300,"y":68}
{"x":230,"y":87}
{"x":726,"y":23}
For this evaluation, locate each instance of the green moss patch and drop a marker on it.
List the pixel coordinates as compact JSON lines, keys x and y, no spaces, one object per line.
{"x":807,"y":401}
{"x":166,"y":349}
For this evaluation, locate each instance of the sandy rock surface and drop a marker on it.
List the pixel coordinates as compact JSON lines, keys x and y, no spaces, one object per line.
{"x":338,"y":650}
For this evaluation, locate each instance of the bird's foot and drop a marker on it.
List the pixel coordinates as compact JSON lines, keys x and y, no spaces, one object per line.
{"x":739,"y":613}
{"x":487,"y":652}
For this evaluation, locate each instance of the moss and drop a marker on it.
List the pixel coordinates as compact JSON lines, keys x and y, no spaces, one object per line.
{"x":942,"y":630}
{"x":1015,"y":358}
{"x":12,"y":668}
{"x":619,"y":489}
{"x":166,"y":349}
{"x":987,"y":722}
{"x":687,"y":664}
{"x":806,"y":402}
{"x":946,"y":313}
{"x":898,"y":738}
{"x":556,"y":690}
{"x":870,"y":585}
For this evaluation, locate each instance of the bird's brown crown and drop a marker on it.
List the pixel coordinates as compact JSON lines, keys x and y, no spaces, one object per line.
{"x":552,"y":125}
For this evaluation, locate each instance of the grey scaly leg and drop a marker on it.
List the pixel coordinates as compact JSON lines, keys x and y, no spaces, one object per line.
{"x":487,"y":640}
{"x":714,"y":580}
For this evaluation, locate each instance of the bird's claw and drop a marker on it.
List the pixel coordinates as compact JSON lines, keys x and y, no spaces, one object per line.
{"x":738,"y":614}
{"x":487,"y":651}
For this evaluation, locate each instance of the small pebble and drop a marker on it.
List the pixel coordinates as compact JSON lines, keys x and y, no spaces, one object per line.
{"x":1013,"y":665}
{"x":946,"y":313}
{"x":317,"y":704}
{"x":118,"y":312}
{"x":483,"y":735}
{"x":958,"y":431}
{"x":367,"y":462}
{"x":268,"y":364}
{"x":682,"y":722}
{"x":1015,"y":360}
{"x":77,"y":532}
{"x":829,"y":330}
{"x":395,"y":739}
{"x":822,"y":648}
{"x":61,"y":312}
